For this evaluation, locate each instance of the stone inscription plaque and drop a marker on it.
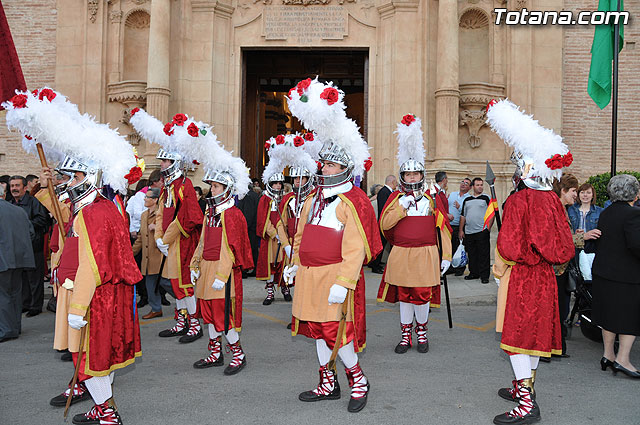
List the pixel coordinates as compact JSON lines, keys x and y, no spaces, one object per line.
{"x":304,"y":24}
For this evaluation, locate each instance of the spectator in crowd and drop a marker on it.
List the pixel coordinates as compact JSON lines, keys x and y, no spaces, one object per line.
{"x":455,"y":208}
{"x":471,"y":230}
{"x":32,"y":184}
{"x":288,"y":188}
{"x":441,"y":192}
{"x":373,"y":197}
{"x":616,"y":274}
{"x":4,"y":181}
{"x":32,"y":280}
{"x":135,"y":208}
{"x":249,"y":207}
{"x":201,"y":200}
{"x":16,"y":255}
{"x":584,"y":214}
{"x":390,"y":184}
{"x":151,"y":257}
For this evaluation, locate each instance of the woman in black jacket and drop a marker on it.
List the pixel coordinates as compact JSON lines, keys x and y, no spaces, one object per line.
{"x":616,"y":274}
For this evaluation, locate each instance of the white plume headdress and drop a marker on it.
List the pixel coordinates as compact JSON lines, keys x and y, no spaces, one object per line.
{"x":47,"y":117}
{"x":321,"y":109}
{"x":410,"y":140}
{"x":291,"y":150}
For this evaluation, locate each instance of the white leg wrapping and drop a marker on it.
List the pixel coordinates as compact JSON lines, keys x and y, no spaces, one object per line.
{"x":422,"y":313}
{"x":190,"y":304}
{"x":521,"y":365}
{"x":348,"y":355}
{"x":180,"y":304}
{"x":213,"y":333}
{"x":270,"y":279}
{"x":232,"y":336}
{"x":324,"y":354}
{"x":406,"y":313}
{"x":534,"y":362}
{"x":100,"y":388}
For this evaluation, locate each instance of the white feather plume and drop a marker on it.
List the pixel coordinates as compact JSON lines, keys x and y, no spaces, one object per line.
{"x":526,"y":136}
{"x":410,"y":142}
{"x":288,"y":155}
{"x":150,"y":128}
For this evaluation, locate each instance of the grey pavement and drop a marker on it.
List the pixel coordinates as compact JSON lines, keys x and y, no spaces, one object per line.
{"x":455,"y":383}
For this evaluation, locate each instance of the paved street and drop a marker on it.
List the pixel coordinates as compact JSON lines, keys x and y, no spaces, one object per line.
{"x":455,"y":383}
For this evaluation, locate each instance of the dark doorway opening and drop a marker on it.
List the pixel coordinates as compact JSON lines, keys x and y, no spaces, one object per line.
{"x":268,"y":76}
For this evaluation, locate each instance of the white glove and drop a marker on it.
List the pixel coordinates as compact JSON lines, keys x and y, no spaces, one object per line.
{"x":278,"y":238}
{"x":163,"y":247}
{"x":497,"y":281}
{"x":444,"y":266}
{"x":287,"y":250}
{"x":337,"y":294}
{"x":406,"y":201}
{"x":217,"y":284}
{"x":289,"y":273}
{"x":75,"y":321}
{"x":195,"y":275}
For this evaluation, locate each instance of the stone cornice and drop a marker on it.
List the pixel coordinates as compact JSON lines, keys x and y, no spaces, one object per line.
{"x":390,"y":8}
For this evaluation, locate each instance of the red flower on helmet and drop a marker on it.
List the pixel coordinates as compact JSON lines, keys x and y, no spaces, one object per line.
{"x":290,"y":90}
{"x":26,"y":136}
{"x":179,"y":119}
{"x":35,"y":92}
{"x":279,"y":139}
{"x":134,"y":175}
{"x":168,"y":129}
{"x":555,"y":162}
{"x":195,"y":162}
{"x":19,"y":101}
{"x":567,"y":159}
{"x":298,"y":141}
{"x":267,"y":145}
{"x":408,"y":119}
{"x":48,"y":93}
{"x":193,"y":130}
{"x":330,"y":94}
{"x":303,"y":86}
{"x":319,"y":164}
{"x":490,"y":104}
{"x":367,"y":164}
{"x":134,"y":110}
{"x":308,"y":137}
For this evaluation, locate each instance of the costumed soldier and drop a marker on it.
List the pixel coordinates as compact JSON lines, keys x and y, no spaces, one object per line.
{"x":96,"y":264}
{"x":535,"y":235}
{"x":178,"y":219}
{"x":270,"y":256}
{"x":223,"y":251}
{"x":410,"y":221}
{"x":336,"y":235}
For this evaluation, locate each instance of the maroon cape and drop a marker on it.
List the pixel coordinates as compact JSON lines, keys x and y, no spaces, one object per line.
{"x":264,"y":214}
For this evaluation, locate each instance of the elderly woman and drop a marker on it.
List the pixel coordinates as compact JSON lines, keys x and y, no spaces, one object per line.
{"x":616,"y":274}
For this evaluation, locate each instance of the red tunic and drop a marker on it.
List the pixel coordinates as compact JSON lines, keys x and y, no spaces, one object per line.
{"x":535,"y":235}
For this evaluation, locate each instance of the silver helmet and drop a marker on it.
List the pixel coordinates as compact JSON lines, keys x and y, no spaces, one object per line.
{"x":85,"y":192}
{"x":225,"y":179}
{"x":274,"y":194}
{"x":60,"y":189}
{"x":416,"y":189}
{"x":334,"y":153}
{"x":301,"y":172}
{"x":527,"y":174}
{"x":174,"y":170}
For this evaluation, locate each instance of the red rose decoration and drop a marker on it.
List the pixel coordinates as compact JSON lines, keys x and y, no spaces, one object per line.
{"x":134,"y":110}
{"x":298,"y":141}
{"x":179,"y":119}
{"x":35,"y":92}
{"x":567,"y":159}
{"x":26,"y":136}
{"x":168,"y":128}
{"x":193,"y":130}
{"x":308,"y":137}
{"x":267,"y":145}
{"x":195,"y":162}
{"x":279,"y":139}
{"x":367,"y":164}
{"x":319,"y":164}
{"x":290,"y":90}
{"x":330,"y":95}
{"x":303,"y":85}
{"x":555,"y":162}
{"x":19,"y":101}
{"x":48,"y":93}
{"x":490,"y":104}
{"x":408,"y":119}
{"x":134,"y":175}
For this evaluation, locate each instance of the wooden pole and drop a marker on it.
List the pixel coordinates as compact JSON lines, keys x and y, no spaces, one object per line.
{"x":83,"y":333}
{"x":57,"y":214}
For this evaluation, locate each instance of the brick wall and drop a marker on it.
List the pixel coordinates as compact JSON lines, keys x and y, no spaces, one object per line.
{"x":33,"y":27}
{"x":586,"y":128}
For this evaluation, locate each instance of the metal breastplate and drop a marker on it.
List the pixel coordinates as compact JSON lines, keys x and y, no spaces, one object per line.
{"x":421,"y":209}
{"x":327,"y":217}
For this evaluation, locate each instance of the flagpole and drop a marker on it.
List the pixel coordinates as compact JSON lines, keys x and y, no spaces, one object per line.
{"x":614,"y":109}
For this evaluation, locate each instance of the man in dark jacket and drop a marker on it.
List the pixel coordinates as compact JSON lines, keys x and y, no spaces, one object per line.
{"x":390,"y":184}
{"x":16,"y":233}
{"x":249,"y":207}
{"x":32,"y":280}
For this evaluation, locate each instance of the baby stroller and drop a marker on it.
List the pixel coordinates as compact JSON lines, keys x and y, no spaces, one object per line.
{"x":582,"y":305}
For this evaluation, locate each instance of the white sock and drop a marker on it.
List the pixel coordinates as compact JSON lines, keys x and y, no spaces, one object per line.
{"x":406,"y":313}
{"x":422,"y":313}
{"x":190,"y":304}
{"x":348,"y":355}
{"x":232,"y":336}
{"x":180,"y":304}
{"x":270,"y":279}
{"x":112,"y":376}
{"x":213,"y":333}
{"x":100,"y":388}
{"x":324,"y":354}
{"x":534,"y":362}
{"x":521,"y":366}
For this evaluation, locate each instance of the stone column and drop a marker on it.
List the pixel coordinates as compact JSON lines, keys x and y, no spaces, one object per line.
{"x":447,"y":92}
{"x":158,"y":62}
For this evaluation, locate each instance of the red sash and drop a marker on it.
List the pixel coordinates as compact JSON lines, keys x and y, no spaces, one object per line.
{"x":320,"y":246}
{"x":291,"y":227}
{"x":68,"y":266}
{"x":415,"y":231}
{"x":212,"y":243}
{"x":167,"y":217}
{"x":54,"y":243}
{"x":274,"y":217}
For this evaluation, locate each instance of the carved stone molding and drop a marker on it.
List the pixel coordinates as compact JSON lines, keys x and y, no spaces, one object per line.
{"x":130,"y":93}
{"x":473,"y":102}
{"x":92,"y":8}
{"x":138,"y":19}
{"x":308,"y":2}
{"x":139,"y":2}
{"x":520,"y":4}
{"x":115,"y":16}
{"x":474,"y":120}
{"x":474,"y":18}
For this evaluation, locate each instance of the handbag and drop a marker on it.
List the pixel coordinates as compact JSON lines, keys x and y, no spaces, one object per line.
{"x":573,"y":276}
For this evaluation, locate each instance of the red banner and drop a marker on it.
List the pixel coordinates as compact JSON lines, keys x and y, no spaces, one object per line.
{"x":11,"y":77}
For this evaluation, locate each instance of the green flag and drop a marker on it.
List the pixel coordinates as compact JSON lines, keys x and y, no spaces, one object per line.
{"x":599,"y":86}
